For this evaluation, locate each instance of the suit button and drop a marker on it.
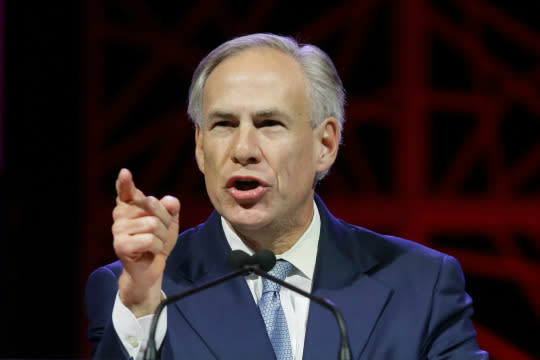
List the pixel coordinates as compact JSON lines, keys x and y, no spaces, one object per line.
{"x":132,"y":340}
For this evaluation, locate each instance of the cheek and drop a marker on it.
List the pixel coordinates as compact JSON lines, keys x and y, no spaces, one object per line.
{"x":296,"y":160}
{"x":214,"y":153}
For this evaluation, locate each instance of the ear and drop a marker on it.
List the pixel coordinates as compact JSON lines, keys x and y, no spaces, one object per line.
{"x":199,"y":151}
{"x":328,"y":141}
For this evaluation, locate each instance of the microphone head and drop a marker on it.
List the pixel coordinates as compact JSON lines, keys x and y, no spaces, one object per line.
{"x":237,"y":259}
{"x":265,"y":259}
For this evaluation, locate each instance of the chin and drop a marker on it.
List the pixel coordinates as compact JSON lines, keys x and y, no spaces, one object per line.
{"x":247,"y":224}
{"x":247,"y":220}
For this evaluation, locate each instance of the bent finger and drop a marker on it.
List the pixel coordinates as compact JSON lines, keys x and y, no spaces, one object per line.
{"x":154,"y":207}
{"x":133,"y":246}
{"x":126,"y":211}
{"x":141,"y":225}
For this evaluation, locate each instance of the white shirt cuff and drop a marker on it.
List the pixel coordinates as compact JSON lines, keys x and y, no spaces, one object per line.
{"x":133,"y":332}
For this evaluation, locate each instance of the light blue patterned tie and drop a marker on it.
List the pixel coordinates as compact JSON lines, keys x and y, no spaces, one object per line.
{"x":272,"y":312}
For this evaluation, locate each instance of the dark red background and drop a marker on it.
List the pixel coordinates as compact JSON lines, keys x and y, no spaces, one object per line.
{"x":442,"y":141}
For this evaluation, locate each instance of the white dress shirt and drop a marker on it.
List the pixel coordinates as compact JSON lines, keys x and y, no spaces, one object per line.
{"x":133,"y":332}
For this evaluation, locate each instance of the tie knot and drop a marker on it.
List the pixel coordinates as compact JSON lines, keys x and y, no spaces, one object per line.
{"x":280,"y":270}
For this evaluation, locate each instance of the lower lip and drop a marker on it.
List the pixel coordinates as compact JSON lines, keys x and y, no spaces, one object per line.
{"x":253,"y":194}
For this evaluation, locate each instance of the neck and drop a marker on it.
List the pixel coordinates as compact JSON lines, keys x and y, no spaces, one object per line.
{"x":277,"y":245}
{"x":277,"y":239}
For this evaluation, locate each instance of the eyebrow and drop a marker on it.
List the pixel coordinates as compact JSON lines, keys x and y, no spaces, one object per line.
{"x":221,"y":115}
{"x":271,"y":112}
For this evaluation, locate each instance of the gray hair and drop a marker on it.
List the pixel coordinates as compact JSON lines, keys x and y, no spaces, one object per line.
{"x":325,"y":89}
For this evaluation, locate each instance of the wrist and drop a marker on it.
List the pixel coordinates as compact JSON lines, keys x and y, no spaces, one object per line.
{"x":140,"y":300}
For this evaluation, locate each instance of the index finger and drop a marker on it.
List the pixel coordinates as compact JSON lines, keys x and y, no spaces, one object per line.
{"x":125,"y":187}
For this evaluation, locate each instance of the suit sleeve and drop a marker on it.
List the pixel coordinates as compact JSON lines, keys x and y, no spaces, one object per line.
{"x":451,"y":335}
{"x":101,"y":290}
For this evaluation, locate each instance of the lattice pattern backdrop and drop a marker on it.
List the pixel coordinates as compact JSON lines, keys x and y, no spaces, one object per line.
{"x":441,"y":141}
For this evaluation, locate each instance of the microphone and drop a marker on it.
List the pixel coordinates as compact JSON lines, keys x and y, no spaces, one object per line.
{"x":266,"y":258}
{"x":242,"y":263}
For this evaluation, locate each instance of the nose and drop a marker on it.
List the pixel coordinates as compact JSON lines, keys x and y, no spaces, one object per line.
{"x":246,"y":147}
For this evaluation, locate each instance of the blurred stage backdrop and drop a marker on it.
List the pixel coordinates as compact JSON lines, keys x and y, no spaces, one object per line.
{"x":441,"y":142}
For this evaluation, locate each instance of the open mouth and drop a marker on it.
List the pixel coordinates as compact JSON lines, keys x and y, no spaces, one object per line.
{"x":244,"y":188}
{"x":244,"y":185}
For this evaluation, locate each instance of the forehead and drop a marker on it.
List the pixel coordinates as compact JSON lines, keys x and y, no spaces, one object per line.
{"x":259,"y":59}
{"x":255,"y":76}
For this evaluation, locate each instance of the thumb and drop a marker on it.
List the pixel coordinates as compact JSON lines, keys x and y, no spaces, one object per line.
{"x":172,"y":205}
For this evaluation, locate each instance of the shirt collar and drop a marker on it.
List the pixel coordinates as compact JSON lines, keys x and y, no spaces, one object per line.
{"x":302,"y":254}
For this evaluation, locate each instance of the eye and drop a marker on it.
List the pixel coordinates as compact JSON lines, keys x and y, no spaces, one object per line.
{"x":270,"y":122}
{"x":222,"y":123}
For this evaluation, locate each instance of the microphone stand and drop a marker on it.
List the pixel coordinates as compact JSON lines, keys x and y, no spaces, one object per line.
{"x":246,"y":269}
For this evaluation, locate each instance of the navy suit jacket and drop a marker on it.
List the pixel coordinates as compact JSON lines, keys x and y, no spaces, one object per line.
{"x":400,"y":301}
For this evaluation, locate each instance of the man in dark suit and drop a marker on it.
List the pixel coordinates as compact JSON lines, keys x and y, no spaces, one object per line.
{"x":268,"y":115}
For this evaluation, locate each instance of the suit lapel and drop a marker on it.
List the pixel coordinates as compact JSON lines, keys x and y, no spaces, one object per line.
{"x":341,"y":275}
{"x":224,"y":314}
